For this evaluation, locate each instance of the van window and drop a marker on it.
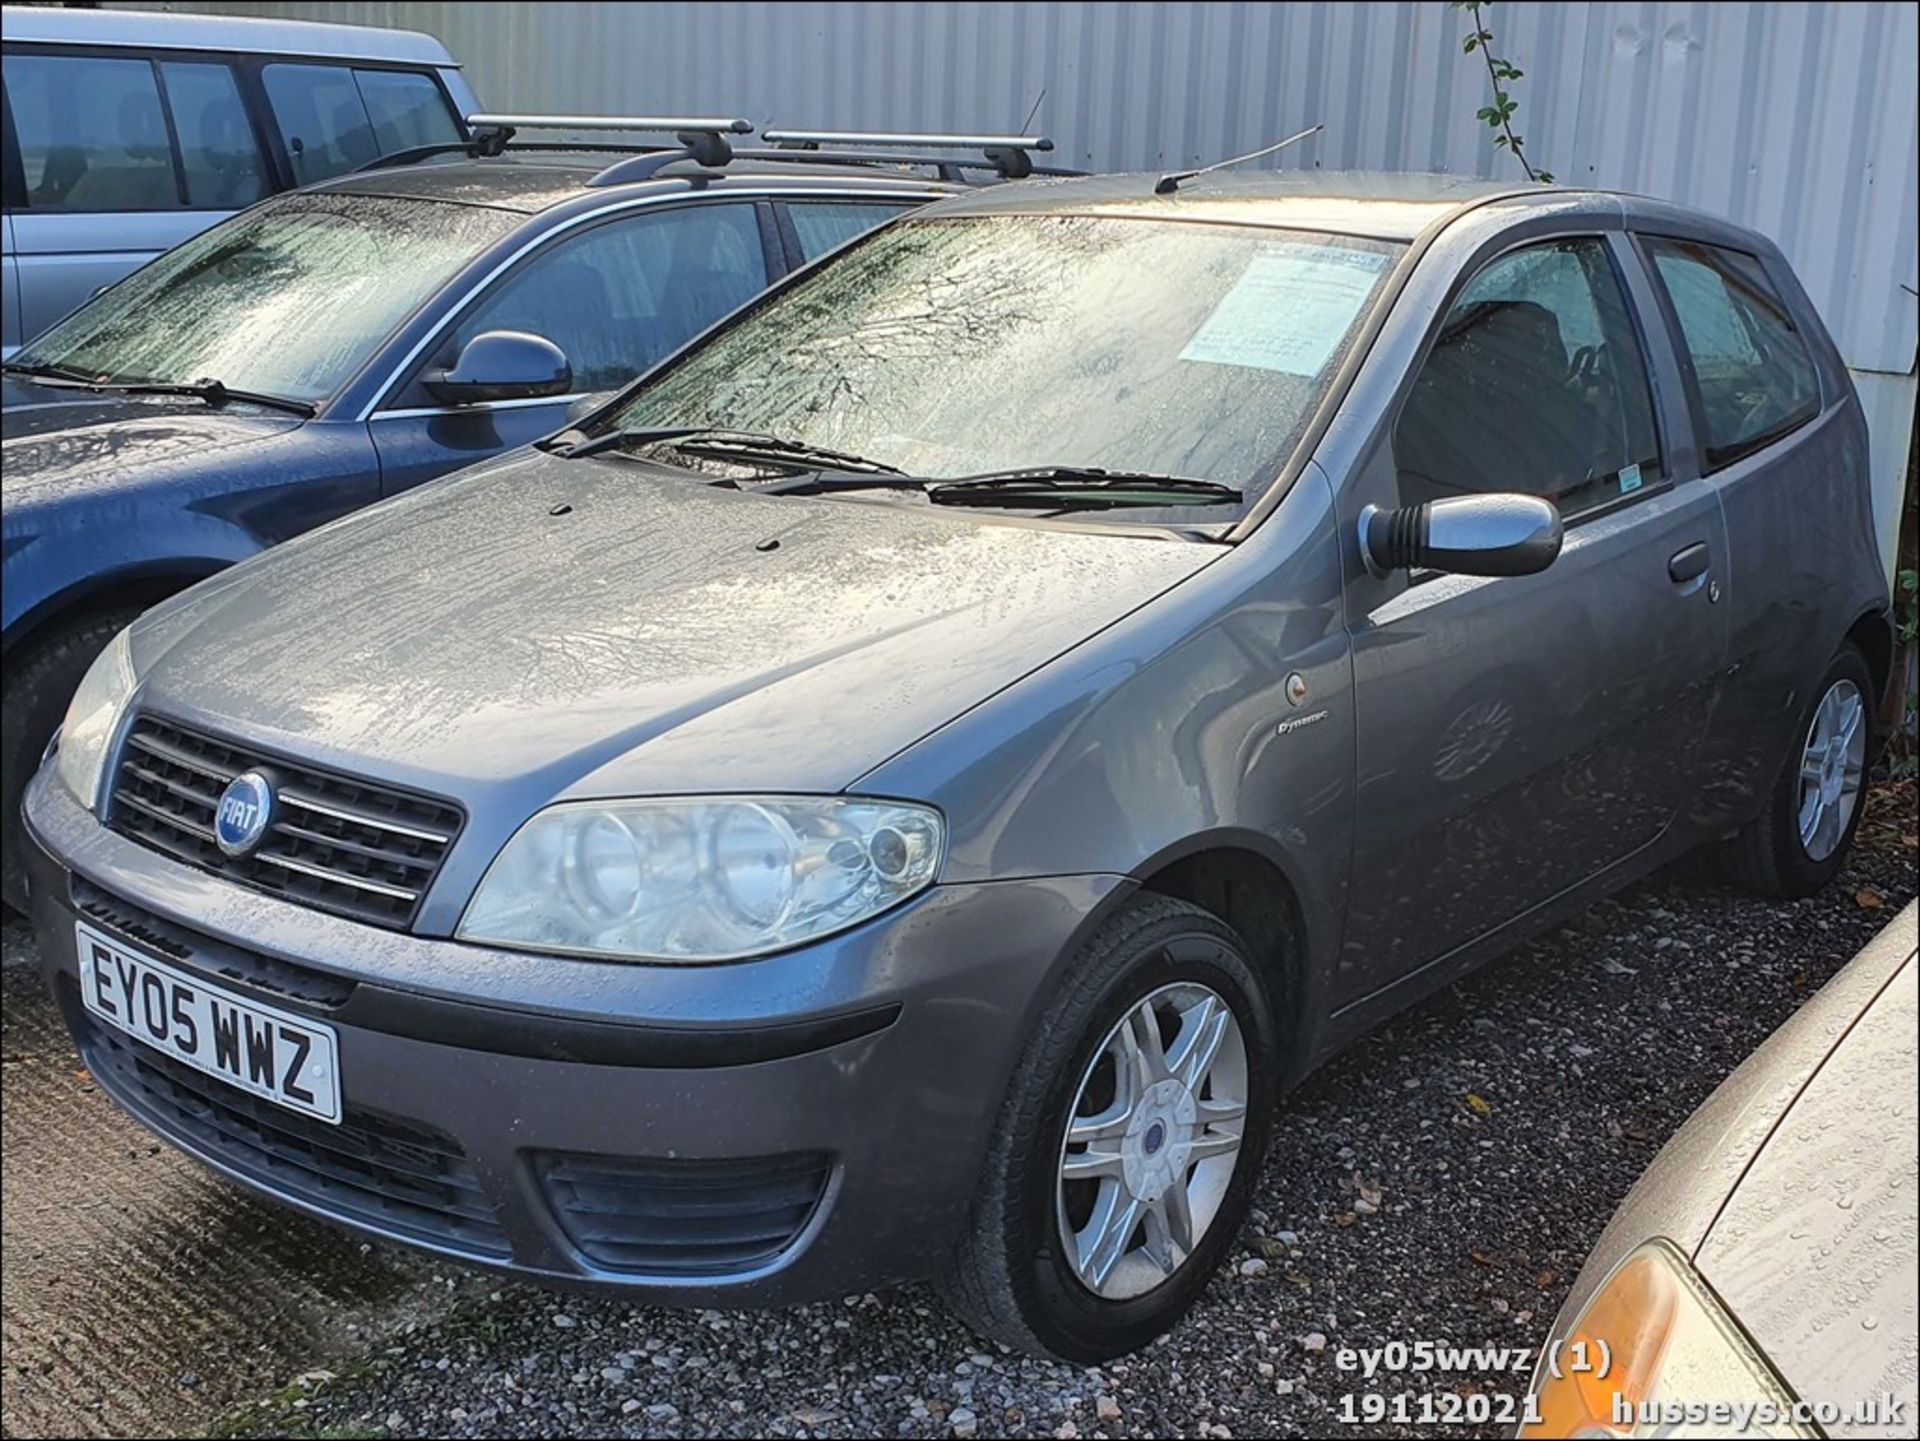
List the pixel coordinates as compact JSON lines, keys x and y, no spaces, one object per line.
{"x":1536,"y":384}
{"x":91,"y":133}
{"x":1755,"y":375}
{"x":219,"y":158}
{"x":406,"y":110}
{"x":333,"y":118}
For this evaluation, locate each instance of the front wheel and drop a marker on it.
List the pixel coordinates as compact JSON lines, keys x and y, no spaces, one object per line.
{"x":1128,"y":1143}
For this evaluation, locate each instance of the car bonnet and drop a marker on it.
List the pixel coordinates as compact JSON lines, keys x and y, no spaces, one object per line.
{"x":65,"y":439}
{"x":537,"y":628}
{"x":1816,"y":1250}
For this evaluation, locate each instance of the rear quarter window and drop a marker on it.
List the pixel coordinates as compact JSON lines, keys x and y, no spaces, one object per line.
{"x":1752,"y":367}
{"x":336,"y":118}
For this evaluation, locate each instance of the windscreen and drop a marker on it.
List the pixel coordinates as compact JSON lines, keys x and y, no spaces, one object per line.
{"x":288,"y":299}
{"x":957,"y":347}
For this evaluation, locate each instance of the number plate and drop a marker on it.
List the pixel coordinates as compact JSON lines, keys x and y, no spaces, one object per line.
{"x":286,"y":1059}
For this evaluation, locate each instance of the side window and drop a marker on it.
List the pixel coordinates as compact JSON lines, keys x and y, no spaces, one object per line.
{"x":91,"y":133}
{"x":323,"y":123}
{"x":220,"y":160}
{"x":825,"y":225}
{"x":406,"y":109}
{"x":1536,"y":384}
{"x":1755,"y":375}
{"x":620,"y":296}
{"x":333,"y":119}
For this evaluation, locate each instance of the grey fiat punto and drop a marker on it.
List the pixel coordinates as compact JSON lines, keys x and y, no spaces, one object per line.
{"x":900,"y":790}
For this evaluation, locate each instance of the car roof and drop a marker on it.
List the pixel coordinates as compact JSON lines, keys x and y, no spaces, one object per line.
{"x":1388,"y":205}
{"x":156,"y":30}
{"x":535,"y":180}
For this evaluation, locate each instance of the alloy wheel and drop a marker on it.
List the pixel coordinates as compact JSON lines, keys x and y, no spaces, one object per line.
{"x":1152,"y":1140}
{"x":1832,"y":763}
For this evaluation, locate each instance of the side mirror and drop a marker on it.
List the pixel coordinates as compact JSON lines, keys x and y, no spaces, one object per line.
{"x":502,"y":365}
{"x":1463,"y":535}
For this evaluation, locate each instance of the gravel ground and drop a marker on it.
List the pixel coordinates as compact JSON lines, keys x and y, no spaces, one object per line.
{"x":1441,"y":1180}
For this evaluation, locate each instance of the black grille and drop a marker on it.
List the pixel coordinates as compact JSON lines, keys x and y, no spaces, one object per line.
{"x":336,"y":844}
{"x":682,"y":1218}
{"x":392,"y":1175}
{"x":250,"y":970}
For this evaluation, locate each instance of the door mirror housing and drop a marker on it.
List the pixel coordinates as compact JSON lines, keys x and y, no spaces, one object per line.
{"x":502,"y":365}
{"x":1499,"y":534}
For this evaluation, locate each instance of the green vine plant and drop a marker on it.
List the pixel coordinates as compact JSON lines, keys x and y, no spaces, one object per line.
{"x":1500,"y":73}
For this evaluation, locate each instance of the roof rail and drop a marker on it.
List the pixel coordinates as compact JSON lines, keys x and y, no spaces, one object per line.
{"x":1011,"y":155}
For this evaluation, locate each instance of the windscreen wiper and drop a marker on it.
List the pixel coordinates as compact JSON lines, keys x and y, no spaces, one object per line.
{"x":1075,"y":487}
{"x":745,"y":445}
{"x":41,"y":370}
{"x":216,"y":393}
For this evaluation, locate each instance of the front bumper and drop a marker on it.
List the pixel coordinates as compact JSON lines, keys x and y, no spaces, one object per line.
{"x":819,"y":1117}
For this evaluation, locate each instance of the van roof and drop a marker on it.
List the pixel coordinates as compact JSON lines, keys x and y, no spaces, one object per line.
{"x":158,"y":31}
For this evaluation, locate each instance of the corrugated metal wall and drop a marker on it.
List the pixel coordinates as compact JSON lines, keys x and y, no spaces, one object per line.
{"x":1800,"y":120}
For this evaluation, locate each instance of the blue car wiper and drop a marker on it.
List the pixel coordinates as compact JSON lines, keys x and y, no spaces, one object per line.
{"x":42,"y":370}
{"x":215,"y":393}
{"x":719,"y":441}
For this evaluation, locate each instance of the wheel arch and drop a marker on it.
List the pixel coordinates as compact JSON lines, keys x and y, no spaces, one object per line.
{"x":138,"y":585}
{"x":1872,"y":634}
{"x":1236,"y":876}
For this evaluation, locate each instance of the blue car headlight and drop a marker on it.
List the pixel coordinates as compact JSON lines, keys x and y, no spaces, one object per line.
{"x":704,"y":879}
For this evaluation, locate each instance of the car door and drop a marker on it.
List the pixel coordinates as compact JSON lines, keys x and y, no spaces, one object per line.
{"x":1756,"y":392}
{"x":1516,"y":736}
{"x":615,"y":296}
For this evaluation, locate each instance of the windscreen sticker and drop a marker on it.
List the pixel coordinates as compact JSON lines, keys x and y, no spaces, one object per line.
{"x":1289,"y":310}
{"x":1629,"y":479}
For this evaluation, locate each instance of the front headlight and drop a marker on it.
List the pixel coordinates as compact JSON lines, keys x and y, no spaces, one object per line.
{"x":718,"y":879}
{"x":93,"y":716}
{"x":1654,"y":1354}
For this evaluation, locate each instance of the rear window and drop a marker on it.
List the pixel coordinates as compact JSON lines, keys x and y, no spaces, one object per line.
{"x":336,"y":118}
{"x":1755,"y":375}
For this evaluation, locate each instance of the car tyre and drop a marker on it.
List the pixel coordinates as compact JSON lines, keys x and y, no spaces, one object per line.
{"x":1020,"y":1274}
{"x":38,"y":686}
{"x":1833,"y":743}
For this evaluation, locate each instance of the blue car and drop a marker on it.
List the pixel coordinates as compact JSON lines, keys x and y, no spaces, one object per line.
{"x":339,"y":345}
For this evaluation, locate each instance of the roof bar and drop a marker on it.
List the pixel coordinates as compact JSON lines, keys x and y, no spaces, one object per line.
{"x":882,"y":138}
{"x":705,"y":137}
{"x":713,"y":125}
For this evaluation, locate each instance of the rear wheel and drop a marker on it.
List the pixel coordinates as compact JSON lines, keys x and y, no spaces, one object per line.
{"x":1128,"y":1143}
{"x":39,"y":683}
{"x":1800,"y":840}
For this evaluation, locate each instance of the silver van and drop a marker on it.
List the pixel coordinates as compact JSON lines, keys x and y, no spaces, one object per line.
{"x":124,"y":134}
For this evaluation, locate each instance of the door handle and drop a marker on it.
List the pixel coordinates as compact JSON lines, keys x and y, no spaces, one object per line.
{"x":1689,"y":564}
